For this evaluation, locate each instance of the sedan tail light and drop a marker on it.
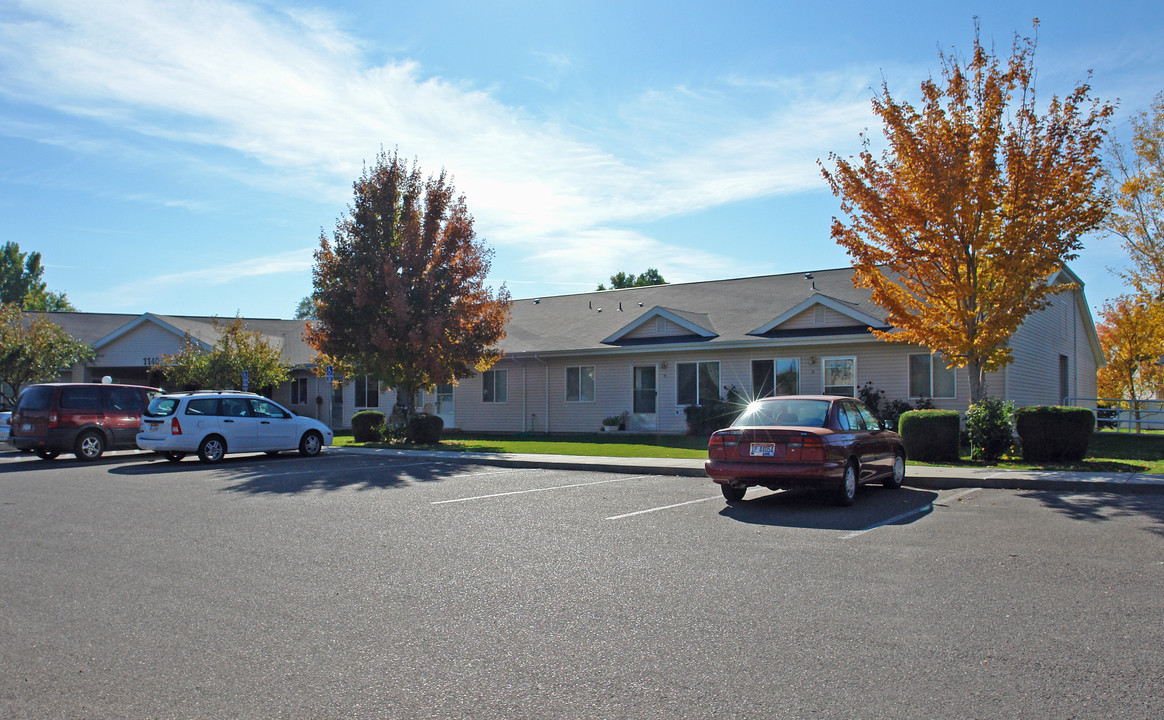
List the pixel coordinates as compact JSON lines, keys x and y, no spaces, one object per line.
{"x":811,"y":448}
{"x":716,"y":446}
{"x":175,"y":427}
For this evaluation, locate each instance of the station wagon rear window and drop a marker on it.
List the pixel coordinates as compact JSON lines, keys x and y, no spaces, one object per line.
{"x":162,"y":406}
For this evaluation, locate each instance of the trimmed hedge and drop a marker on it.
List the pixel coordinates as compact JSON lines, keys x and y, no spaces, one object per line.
{"x":930,"y":435}
{"x":1054,"y":433}
{"x":368,"y":426}
{"x":712,"y":415}
{"x":425,"y":429}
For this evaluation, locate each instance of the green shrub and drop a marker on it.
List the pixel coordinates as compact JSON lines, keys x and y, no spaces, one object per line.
{"x":368,"y":426}
{"x":1054,"y":433}
{"x":930,"y":435}
{"x":425,"y":429}
{"x":888,"y":411}
{"x":707,"y":417}
{"x":989,"y":424}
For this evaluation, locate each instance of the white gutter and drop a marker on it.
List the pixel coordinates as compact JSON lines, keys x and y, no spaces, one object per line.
{"x":547,"y":367}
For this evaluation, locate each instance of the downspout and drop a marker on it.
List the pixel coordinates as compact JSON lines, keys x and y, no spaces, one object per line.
{"x":547,"y":367}
{"x":524,"y":396}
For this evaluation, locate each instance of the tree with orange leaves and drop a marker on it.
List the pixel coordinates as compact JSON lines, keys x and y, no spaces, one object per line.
{"x":400,"y":290}
{"x":960,"y":225}
{"x":1131,"y":332}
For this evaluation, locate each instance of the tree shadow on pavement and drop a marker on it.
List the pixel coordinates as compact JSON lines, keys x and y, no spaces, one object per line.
{"x":816,"y":511}
{"x":290,"y":475}
{"x":1101,"y":507}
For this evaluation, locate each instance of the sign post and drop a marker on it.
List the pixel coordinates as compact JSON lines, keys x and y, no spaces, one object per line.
{"x":330,"y":396}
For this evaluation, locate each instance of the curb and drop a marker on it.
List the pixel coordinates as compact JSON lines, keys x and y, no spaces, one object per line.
{"x":923,"y":477}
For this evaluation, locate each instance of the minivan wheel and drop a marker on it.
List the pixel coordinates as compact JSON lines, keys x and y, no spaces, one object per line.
{"x":47,"y":454}
{"x":89,"y":446}
{"x":212,"y":449}
{"x":732,"y":493}
{"x":311,"y":444}
{"x":847,"y":492}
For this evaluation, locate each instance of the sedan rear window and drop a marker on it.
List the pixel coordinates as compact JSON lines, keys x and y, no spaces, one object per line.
{"x":792,"y":413}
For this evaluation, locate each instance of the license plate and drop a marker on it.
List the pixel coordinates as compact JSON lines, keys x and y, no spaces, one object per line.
{"x":153,"y":425}
{"x":763,"y":449}
{"x":26,"y":427}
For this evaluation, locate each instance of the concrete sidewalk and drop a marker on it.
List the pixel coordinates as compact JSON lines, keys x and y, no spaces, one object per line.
{"x":918,"y":476}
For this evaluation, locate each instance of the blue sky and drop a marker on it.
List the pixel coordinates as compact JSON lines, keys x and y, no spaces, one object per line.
{"x":182,"y":157}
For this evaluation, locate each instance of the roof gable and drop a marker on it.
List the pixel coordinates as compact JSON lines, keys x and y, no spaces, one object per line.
{"x":819,"y":299}
{"x":695,"y":324}
{"x":148,"y":318}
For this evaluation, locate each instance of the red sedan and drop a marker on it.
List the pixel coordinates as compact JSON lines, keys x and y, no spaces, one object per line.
{"x":819,"y":441}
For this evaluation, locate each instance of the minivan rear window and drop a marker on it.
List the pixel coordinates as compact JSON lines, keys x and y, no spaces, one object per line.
{"x":162,"y":406}
{"x":81,"y":397}
{"x":37,"y":397}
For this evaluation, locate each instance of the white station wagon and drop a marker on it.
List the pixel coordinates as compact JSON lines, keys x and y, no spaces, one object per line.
{"x":213,"y":423}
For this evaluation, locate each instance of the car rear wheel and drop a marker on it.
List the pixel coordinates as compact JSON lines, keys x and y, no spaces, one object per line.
{"x":847,"y":492}
{"x":212,"y":449}
{"x":895,"y":480}
{"x":47,"y":454}
{"x":732,"y":493}
{"x":311,"y":444}
{"x":89,"y":446}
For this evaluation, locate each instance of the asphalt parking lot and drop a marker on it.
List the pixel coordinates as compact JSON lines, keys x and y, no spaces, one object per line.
{"x":356,"y":586}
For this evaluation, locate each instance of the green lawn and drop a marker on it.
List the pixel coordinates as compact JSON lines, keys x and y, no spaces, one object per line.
{"x":1108,"y":452}
{"x":609,"y":444}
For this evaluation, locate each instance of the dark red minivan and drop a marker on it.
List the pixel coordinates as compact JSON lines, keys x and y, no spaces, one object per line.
{"x":85,"y":419}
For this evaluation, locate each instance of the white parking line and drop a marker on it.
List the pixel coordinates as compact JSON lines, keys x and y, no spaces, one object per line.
{"x":665,"y":507}
{"x":534,"y":490}
{"x":904,"y":515}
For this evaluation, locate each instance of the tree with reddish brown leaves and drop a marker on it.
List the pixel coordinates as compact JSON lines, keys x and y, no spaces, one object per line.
{"x":400,"y":288}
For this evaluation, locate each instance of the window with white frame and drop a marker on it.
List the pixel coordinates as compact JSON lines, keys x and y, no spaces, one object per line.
{"x":299,"y":391}
{"x":839,"y":376}
{"x":580,"y":384}
{"x":696,"y":382}
{"x":495,"y":386}
{"x":367,"y":389}
{"x":929,"y":377}
{"x":775,"y":377}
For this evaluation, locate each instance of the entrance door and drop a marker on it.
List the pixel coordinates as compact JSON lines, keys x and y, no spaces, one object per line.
{"x":444,"y":404}
{"x":646,"y":398}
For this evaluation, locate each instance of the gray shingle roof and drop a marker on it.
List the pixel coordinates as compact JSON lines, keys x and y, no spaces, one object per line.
{"x":733,"y":308}
{"x":284,"y":334}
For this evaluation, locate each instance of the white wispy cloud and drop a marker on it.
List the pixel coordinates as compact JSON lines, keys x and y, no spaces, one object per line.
{"x":140,"y":291}
{"x":296,"y":94}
